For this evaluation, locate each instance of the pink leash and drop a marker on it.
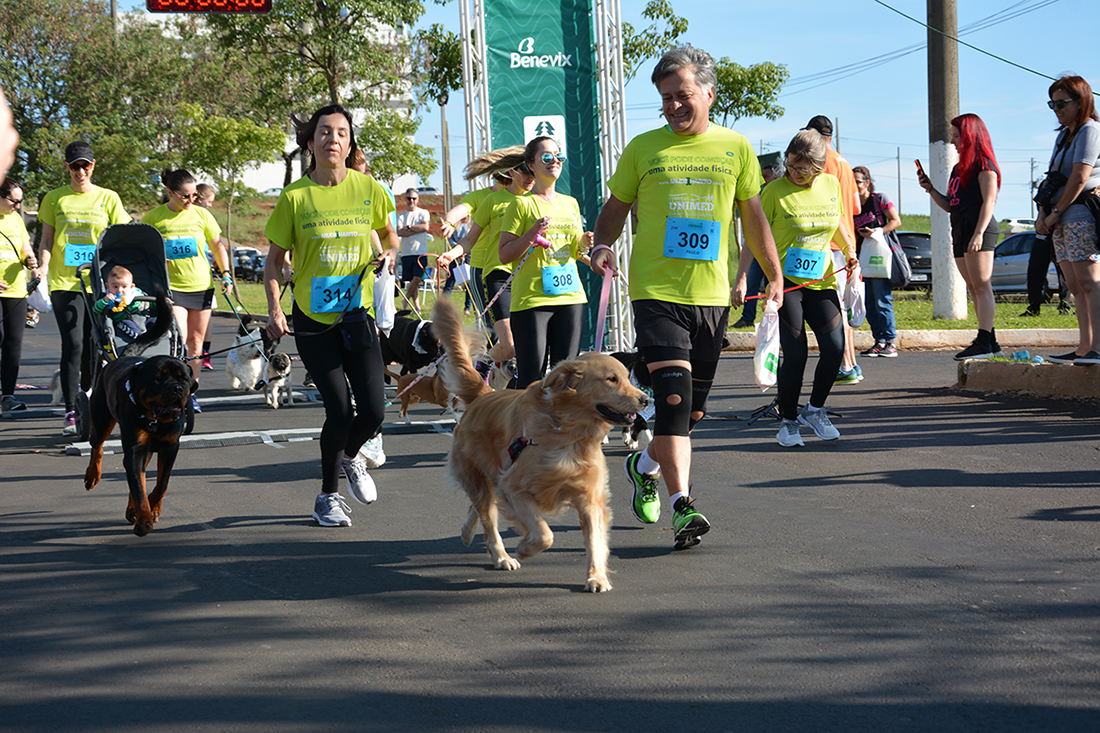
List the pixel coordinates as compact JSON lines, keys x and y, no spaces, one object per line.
{"x":601,"y":318}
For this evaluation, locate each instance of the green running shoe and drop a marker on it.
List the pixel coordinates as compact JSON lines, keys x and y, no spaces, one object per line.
{"x":646,"y":504}
{"x":689,"y":524}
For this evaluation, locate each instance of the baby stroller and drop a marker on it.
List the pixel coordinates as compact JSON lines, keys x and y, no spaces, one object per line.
{"x":140,"y":249}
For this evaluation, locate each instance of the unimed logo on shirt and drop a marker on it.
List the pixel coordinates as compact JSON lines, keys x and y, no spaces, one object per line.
{"x":334,"y":253}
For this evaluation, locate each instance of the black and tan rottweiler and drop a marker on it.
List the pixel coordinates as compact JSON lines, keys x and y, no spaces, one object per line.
{"x":147,"y":399}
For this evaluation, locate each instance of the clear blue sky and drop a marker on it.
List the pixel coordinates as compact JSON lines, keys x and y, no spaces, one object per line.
{"x":877,"y":94}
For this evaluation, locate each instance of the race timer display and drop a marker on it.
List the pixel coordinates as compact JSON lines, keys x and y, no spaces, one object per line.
{"x":208,"y":6}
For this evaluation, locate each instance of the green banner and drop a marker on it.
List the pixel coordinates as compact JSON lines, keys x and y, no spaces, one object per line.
{"x":542,"y":81}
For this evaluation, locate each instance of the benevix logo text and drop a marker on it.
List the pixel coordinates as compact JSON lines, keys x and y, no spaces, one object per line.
{"x":527,"y":59}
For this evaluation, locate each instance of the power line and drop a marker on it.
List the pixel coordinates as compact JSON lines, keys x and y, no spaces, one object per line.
{"x":968,"y":45}
{"x":859,"y":67}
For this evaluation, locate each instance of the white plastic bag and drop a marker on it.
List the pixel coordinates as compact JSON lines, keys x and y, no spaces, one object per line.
{"x":855,"y":298}
{"x":385,"y":307}
{"x":875,"y":257}
{"x":39,"y":298}
{"x":766,"y":361}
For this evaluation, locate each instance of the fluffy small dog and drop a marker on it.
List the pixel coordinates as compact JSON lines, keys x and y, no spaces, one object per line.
{"x":244,"y":363}
{"x":276,"y":379}
{"x":528,"y":454}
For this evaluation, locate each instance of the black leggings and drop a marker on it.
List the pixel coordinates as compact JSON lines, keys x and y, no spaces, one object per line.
{"x":12,"y":325}
{"x":820,"y":310}
{"x":545,"y":336}
{"x":327,"y":359}
{"x":74,"y":322}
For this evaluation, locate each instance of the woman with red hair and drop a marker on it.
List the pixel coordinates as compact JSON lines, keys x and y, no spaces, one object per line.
{"x":1071,"y":224}
{"x":971,"y":196}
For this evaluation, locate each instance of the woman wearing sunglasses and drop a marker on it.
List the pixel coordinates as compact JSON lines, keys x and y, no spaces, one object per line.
{"x":547,"y":297}
{"x":971,"y":196}
{"x":482,"y":242}
{"x":72,"y":219}
{"x":803,"y":209}
{"x":188,"y":230}
{"x":15,"y":254}
{"x":1071,"y":225}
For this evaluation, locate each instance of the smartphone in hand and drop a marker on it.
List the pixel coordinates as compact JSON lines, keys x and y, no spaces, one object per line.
{"x":920,"y":169}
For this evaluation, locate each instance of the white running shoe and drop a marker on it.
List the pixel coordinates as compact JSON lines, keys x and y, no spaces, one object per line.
{"x":360,"y":484}
{"x":789,"y":435}
{"x":818,"y":421}
{"x":330,"y":510}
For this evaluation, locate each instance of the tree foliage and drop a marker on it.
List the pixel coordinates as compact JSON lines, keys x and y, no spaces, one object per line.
{"x":341,"y":52}
{"x":653,"y":40}
{"x":69,"y":76}
{"x":225,"y":147}
{"x":748,"y":91}
{"x":440,"y":56}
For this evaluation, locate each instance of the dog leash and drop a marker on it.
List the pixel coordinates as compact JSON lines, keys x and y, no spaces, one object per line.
{"x":601,"y":319}
{"x":420,"y":376}
{"x":796,"y":287}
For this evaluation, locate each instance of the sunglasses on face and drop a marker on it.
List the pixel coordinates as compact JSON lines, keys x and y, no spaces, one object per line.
{"x":411,"y":198}
{"x":187,"y":196}
{"x":14,"y":202}
{"x":800,"y":171}
{"x":861,"y":180}
{"x":1059,"y":103}
{"x":79,"y":165}
{"x":549,"y":158}
{"x":524,"y":170}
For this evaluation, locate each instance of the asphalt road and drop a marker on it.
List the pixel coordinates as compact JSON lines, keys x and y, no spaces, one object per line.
{"x":934,"y":569}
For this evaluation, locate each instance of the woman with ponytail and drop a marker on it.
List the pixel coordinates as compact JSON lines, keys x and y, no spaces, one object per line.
{"x":188,"y":230}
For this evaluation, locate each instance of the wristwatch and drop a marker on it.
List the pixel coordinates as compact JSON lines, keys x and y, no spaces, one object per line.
{"x":1055,"y":210}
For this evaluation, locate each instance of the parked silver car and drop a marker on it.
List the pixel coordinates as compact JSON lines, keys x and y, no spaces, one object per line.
{"x":1010,"y":265}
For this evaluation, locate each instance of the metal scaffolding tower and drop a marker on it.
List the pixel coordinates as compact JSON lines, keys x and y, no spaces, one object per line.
{"x":609,"y":65}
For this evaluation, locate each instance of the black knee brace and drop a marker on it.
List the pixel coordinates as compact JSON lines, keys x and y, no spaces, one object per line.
{"x":702,"y":379}
{"x":669,"y":381}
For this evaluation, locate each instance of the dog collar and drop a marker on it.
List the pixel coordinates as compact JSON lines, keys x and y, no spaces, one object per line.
{"x":416,"y":337}
{"x":517,"y":447}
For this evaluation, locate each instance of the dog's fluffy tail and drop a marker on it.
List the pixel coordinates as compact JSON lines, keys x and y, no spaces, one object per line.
{"x":159,"y":328}
{"x":457,"y":370}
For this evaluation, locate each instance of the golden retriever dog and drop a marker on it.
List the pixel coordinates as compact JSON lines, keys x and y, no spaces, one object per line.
{"x":530,"y":454}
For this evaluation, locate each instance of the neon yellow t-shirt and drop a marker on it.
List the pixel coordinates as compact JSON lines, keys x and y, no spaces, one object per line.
{"x":328,"y":230}
{"x":77,"y":219}
{"x":804,"y":219}
{"x":686,"y":188}
{"x":549,"y":277}
{"x":186,"y":234}
{"x":489,"y":216}
{"x":472,"y":201}
{"x":12,"y":272}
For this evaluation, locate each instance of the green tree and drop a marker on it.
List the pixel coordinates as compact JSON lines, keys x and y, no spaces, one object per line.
{"x":653,"y":40}
{"x":224,"y":148}
{"x":340,"y":52}
{"x":748,"y":91}
{"x":440,"y":55}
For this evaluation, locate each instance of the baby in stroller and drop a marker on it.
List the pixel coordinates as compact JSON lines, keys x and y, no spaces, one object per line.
{"x":119,"y":305}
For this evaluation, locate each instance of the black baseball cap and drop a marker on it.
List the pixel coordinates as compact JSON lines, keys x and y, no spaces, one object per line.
{"x":78,"y":150}
{"x":822,"y":124}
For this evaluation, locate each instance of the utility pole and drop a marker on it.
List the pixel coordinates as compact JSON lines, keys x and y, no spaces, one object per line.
{"x":1031,"y":188}
{"x":899,"y":181}
{"x":445,"y":147}
{"x":948,"y":288}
